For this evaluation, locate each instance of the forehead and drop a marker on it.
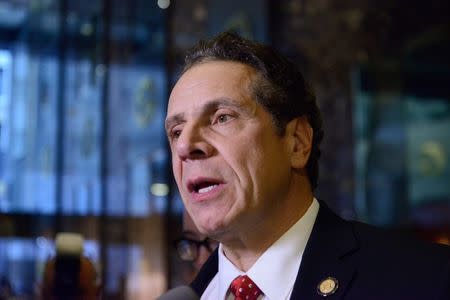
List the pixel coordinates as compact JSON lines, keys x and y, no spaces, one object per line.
{"x":208,"y":81}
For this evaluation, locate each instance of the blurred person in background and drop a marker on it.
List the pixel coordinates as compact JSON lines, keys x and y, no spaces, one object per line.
{"x":193,"y":247}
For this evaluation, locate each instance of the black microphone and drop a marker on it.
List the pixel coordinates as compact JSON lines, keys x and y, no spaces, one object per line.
{"x":180,"y":293}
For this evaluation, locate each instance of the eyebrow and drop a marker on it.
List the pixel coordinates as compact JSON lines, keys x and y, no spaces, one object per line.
{"x":212,"y":105}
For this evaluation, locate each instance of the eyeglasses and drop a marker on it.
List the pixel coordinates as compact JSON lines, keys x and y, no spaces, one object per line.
{"x":188,"y":249}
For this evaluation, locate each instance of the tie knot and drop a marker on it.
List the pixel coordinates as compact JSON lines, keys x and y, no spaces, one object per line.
{"x":243,"y":288}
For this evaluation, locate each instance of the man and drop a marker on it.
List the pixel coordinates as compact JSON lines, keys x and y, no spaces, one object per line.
{"x":244,"y":132}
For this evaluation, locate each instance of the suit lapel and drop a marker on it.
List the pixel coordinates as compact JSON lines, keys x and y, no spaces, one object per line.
{"x":206,"y":274}
{"x":328,"y":253}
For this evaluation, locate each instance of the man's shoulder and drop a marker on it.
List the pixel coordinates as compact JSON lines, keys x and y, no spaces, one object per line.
{"x":397,"y":242}
{"x":384,"y":262}
{"x":396,"y":256}
{"x":383,"y":242}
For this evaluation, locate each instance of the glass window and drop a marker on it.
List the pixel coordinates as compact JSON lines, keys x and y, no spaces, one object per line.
{"x":83,"y":92}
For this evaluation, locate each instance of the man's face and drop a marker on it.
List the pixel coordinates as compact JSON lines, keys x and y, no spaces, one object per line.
{"x":229,"y":164}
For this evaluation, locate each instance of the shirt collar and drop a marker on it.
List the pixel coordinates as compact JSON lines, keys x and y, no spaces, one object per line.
{"x":287,"y":251}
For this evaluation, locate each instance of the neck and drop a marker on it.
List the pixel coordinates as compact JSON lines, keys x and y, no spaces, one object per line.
{"x":245,"y":247}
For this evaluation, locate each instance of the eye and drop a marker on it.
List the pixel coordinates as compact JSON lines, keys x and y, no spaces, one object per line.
{"x":223,"y":118}
{"x":175,"y":133}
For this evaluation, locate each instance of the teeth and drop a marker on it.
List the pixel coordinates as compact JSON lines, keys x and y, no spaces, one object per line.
{"x":206,"y":189}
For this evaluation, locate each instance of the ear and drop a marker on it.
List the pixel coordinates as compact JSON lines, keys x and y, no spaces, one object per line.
{"x":300,"y":135}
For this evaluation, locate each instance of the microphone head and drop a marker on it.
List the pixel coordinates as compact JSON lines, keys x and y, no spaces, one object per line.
{"x":180,"y":293}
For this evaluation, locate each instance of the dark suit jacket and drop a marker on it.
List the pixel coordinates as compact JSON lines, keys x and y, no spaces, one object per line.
{"x":368,"y":263}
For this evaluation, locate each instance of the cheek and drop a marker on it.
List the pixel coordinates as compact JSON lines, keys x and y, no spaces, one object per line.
{"x":176,"y":170}
{"x":263,"y":166}
{"x":252,"y":159}
{"x":245,"y":165}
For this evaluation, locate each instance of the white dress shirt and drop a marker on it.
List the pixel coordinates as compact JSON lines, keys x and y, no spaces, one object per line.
{"x":275,"y":270}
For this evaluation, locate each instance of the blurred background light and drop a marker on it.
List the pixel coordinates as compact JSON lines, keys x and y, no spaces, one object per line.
{"x":163,"y":4}
{"x":160,"y":189}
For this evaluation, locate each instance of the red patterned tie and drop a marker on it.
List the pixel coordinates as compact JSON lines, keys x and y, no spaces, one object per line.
{"x":243,"y":288}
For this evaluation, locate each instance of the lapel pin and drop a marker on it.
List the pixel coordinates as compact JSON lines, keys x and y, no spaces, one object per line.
{"x":327,"y":286}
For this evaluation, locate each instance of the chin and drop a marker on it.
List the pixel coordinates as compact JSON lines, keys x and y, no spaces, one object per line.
{"x":211,"y":222}
{"x":207,"y":230}
{"x":210,"y":229}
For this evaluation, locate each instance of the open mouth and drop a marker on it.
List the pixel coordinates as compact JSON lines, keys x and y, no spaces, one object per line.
{"x":202,"y":186}
{"x":205,"y":188}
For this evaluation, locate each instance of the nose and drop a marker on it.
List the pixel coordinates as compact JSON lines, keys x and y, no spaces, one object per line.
{"x":192,"y":145}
